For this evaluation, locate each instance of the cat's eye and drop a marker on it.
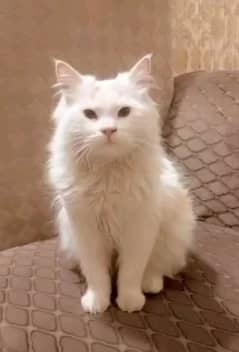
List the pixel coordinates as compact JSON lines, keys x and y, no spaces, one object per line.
{"x":124,"y":111}
{"x":90,"y":114}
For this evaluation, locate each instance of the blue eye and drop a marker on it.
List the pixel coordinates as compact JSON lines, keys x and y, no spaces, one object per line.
{"x":90,"y":114}
{"x":124,"y":111}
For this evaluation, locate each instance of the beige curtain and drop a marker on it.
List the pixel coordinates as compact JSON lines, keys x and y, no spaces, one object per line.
{"x":205,"y":35}
{"x":101,"y":37}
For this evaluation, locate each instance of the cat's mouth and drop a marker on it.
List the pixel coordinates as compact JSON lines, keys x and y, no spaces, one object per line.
{"x":109,"y":140}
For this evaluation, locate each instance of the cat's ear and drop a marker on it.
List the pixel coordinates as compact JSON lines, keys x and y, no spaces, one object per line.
{"x":67,"y":77}
{"x":141,"y":74}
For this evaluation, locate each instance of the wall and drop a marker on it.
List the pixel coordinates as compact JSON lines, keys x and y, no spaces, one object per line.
{"x":100,"y":37}
{"x":205,"y":35}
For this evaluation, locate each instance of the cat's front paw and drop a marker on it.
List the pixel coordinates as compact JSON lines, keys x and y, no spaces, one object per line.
{"x":95,"y":302}
{"x":131,"y":301}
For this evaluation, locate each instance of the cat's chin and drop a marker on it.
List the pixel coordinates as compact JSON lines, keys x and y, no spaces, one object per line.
{"x":112,"y":150}
{"x":111,"y":153}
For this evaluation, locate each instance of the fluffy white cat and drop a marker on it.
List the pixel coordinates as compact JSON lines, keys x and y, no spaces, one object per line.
{"x":118,"y":193}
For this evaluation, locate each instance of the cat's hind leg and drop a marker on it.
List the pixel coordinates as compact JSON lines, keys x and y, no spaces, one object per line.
{"x":152,"y":280}
{"x":174,"y":241}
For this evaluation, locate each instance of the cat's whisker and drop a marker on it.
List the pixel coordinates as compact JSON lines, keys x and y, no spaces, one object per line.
{"x":141,"y":142}
{"x":82,"y":153}
{"x":57,"y":85}
{"x":146,"y":143}
{"x":59,"y":92}
{"x":143,"y":145}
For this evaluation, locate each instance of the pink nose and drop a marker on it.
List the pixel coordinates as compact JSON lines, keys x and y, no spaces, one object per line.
{"x":108,"y":131}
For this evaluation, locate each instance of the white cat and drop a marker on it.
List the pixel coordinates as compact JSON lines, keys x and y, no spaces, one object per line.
{"x":117,"y":190}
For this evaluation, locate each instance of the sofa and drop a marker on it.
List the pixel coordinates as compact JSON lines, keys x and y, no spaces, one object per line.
{"x":198,"y":311}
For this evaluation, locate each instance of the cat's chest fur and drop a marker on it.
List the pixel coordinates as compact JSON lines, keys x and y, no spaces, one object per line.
{"x":113,"y":195}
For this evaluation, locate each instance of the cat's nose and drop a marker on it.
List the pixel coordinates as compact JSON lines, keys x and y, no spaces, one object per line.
{"x":109,"y":131}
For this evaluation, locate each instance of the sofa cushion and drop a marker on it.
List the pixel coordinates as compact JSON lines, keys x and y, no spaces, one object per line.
{"x":40,"y":306}
{"x":202,"y":132}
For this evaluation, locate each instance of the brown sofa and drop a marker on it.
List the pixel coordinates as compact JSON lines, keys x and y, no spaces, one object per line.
{"x":40,"y":306}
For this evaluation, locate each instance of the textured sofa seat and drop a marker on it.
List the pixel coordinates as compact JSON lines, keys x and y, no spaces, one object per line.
{"x":198,"y":312}
{"x":40,"y":306}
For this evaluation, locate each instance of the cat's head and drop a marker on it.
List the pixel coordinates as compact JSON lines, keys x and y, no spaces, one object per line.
{"x":106,"y":118}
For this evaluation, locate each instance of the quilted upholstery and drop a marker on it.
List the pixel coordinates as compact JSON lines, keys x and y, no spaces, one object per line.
{"x":202,"y":133}
{"x":199,"y":312}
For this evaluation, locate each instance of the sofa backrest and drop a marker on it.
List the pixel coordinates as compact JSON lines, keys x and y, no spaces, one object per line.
{"x":202,"y":134}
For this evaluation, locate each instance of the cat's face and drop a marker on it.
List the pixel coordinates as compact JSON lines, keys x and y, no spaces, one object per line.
{"x":109,"y":118}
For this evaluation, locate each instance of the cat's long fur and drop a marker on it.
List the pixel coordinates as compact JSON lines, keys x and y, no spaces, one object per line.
{"x":119,"y":194}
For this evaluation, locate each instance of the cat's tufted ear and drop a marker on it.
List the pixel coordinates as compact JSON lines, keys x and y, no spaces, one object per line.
{"x":67,"y":77}
{"x":140,"y":73}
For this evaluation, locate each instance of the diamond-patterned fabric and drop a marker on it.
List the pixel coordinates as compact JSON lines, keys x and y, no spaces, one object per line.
{"x":40,"y":306}
{"x":202,"y":134}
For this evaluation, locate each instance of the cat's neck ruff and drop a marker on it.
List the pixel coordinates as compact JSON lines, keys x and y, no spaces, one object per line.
{"x":137,"y":158}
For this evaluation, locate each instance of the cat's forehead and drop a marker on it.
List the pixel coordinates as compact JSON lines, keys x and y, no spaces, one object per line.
{"x":106,"y":92}
{"x":111,"y":87}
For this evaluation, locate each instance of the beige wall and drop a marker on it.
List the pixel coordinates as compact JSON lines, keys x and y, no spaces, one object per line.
{"x":101,"y":37}
{"x":205,"y":35}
